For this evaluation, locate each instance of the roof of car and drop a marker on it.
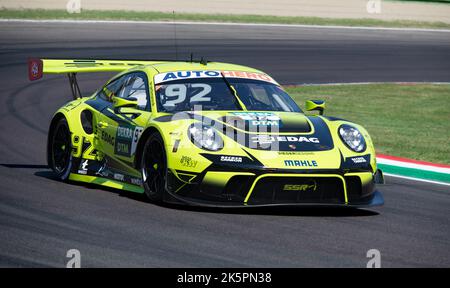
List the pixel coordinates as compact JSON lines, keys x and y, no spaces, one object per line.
{"x":163,"y":67}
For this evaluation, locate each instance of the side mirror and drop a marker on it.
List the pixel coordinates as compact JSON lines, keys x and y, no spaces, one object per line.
{"x":315,"y":105}
{"x":122,"y":103}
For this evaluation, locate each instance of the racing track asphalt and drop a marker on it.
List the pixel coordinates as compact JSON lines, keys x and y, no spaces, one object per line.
{"x":41,"y":218}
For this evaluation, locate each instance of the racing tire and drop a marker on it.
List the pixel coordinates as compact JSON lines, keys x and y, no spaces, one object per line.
{"x":60,"y":150}
{"x":154,"y":168}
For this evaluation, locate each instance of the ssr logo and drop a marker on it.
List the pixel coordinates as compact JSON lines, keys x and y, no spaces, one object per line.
{"x":300,"y":187}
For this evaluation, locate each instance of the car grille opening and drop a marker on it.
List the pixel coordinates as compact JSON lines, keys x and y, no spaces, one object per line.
{"x":238,"y":187}
{"x":298,"y":190}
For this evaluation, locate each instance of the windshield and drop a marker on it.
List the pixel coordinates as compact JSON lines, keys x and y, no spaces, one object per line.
{"x":219,"y":94}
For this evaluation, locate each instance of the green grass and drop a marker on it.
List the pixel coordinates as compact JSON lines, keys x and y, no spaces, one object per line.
{"x":411,"y":121}
{"x":162,"y":16}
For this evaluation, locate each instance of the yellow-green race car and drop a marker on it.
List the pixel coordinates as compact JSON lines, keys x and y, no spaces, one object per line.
{"x":206,"y":133}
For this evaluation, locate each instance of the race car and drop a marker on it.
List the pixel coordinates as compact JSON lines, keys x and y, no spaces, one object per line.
{"x":206,"y":133}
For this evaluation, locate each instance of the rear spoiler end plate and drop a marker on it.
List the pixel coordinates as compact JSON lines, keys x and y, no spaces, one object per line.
{"x":38,"y":67}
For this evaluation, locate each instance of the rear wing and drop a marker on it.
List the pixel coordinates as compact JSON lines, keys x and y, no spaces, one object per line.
{"x":38,"y":67}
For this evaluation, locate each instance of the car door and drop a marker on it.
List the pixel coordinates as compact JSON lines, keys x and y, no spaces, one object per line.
{"x":120,"y":129}
{"x":105,"y":118}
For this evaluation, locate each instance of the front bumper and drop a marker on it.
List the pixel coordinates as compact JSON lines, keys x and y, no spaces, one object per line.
{"x":264,"y":187}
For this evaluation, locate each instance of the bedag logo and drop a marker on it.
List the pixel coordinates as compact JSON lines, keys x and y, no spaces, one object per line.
{"x":272,"y":139}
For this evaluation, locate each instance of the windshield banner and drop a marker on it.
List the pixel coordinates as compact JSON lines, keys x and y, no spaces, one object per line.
{"x":178,"y":75}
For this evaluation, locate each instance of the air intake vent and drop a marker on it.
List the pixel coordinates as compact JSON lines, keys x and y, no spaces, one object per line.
{"x":86,"y":121}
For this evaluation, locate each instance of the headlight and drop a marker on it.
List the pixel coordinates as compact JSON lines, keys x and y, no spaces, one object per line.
{"x":352,"y":138}
{"x":205,"y":137}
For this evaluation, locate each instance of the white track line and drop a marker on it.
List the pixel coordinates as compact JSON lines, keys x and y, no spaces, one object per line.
{"x":417,"y":179}
{"x":222,"y":24}
{"x":368,"y":83}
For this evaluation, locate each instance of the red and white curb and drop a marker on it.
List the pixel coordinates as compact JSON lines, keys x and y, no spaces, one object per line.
{"x":413,"y":169}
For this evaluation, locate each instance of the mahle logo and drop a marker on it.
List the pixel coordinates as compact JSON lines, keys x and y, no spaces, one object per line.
{"x":301,"y":163}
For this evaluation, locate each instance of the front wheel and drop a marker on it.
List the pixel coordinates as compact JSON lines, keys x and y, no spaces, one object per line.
{"x":60,"y":150}
{"x":154,"y":168}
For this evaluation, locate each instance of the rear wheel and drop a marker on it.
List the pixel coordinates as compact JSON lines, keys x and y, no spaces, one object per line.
{"x":154,"y":167}
{"x":60,"y":149}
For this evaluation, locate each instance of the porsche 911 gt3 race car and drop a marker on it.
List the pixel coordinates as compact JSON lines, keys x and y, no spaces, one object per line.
{"x":206,"y":133}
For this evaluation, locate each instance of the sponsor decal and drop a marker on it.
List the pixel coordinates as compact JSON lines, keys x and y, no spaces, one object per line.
{"x":122,"y":149}
{"x":35,"y":69}
{"x":259,"y":118}
{"x":107,"y":138}
{"x":83,"y":167}
{"x":124,"y":132}
{"x":187,"y":161}
{"x":358,"y":160}
{"x":289,"y":153}
{"x":177,"y":75}
{"x":70,"y":106}
{"x":102,"y":171}
{"x":136,"y":181}
{"x":300,"y":163}
{"x":300,"y":187}
{"x":235,"y":159}
{"x":127,"y":138}
{"x":124,"y":137}
{"x":232,"y":160}
{"x":119,"y":177}
{"x":266,"y":139}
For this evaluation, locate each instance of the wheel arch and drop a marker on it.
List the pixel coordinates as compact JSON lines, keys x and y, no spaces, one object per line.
{"x":56,"y":118}
{"x":139,"y":150}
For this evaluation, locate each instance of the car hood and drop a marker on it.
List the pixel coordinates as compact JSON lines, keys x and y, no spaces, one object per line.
{"x":274,"y":122}
{"x":280,"y":131}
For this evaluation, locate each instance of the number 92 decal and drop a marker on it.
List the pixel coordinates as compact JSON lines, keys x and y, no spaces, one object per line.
{"x":174,"y":94}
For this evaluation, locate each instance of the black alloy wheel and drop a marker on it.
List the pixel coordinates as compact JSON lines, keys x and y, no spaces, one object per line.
{"x":61,"y":150}
{"x":154,"y":168}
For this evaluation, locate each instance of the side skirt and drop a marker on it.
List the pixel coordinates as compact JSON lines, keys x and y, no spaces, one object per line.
{"x":106,"y":182}
{"x":99,"y":173}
